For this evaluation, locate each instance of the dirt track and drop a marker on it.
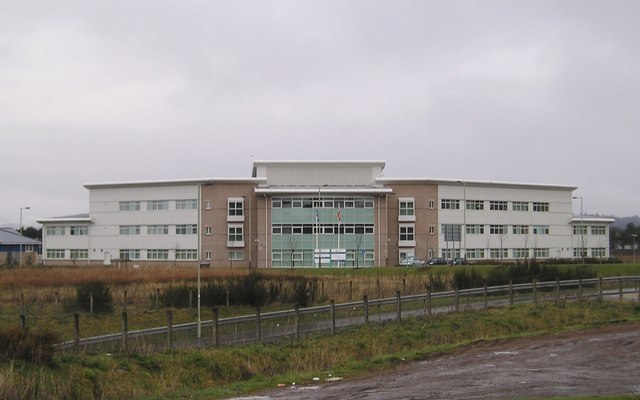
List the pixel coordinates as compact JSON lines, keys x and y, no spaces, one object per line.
{"x":590,"y":362}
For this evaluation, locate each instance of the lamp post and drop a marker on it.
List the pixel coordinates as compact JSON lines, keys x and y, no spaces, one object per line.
{"x":20,"y":255}
{"x":581,"y":229}
{"x":634,"y":236}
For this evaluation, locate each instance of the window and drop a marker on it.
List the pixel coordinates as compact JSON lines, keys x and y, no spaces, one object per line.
{"x":520,"y":253}
{"x":157,"y":205}
{"x":79,"y":254}
{"x":540,"y":207}
{"x":475,"y":205}
{"x":496,"y":205}
{"x":598,"y":230}
{"x":55,"y":253}
{"x":129,"y":206}
{"x":432,"y":204}
{"x":540,"y":229}
{"x":368,"y":204}
{"x":27,"y":248}
{"x":186,"y":254}
{"x":449,"y":204}
{"x":55,"y":230}
{"x":520,"y":206}
{"x":407,"y":232}
{"x":129,"y":229}
{"x":235,"y":234}
{"x":158,"y":230}
{"x":129,"y":254}
{"x":157,"y":254}
{"x":190,"y":229}
{"x":498,"y":253}
{"x":475,"y":253}
{"x":452,"y":232}
{"x":235,"y":255}
{"x":79,"y":230}
{"x":432,"y":229}
{"x":208,"y":204}
{"x":521,"y":229}
{"x":449,"y":254}
{"x":406,"y":207}
{"x":207,"y":230}
{"x":497,"y":229}
{"x":475,"y":229}
{"x":579,"y":253}
{"x":190,"y":204}
{"x":579,"y":229}
{"x":207,"y":255}
{"x":599,"y":252}
{"x":541,"y":253}
{"x":235,"y":208}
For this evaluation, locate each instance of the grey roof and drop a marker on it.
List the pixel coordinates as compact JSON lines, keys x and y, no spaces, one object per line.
{"x":11,"y":236}
{"x":66,"y":218}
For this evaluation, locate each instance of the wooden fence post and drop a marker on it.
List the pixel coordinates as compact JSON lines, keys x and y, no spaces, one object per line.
{"x":23,"y":322}
{"x":457,"y":307}
{"x":157,"y":299}
{"x":333,"y":317}
{"x":297,"y":323}
{"x":620,"y":291}
{"x":169,"y":330}
{"x":190,"y":299}
{"x":365,"y":301}
{"x":125,"y":331}
{"x":484,"y":293}
{"x":600,"y":288}
{"x":404,"y":285}
{"x":258,"y":327}
{"x":76,"y":331}
{"x":90,"y":303}
{"x":216,"y":331}
{"x":535,"y":291}
{"x":429,"y":300}
{"x":580,"y":289}
{"x":557,"y":289}
{"x":510,"y":292}
{"x":398,"y":306}
{"x":350,"y":290}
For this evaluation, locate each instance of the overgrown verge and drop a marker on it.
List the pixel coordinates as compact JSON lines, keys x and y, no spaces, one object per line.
{"x":230,"y":371}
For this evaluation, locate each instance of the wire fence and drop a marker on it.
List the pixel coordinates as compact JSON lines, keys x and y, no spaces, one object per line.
{"x":294,"y":324}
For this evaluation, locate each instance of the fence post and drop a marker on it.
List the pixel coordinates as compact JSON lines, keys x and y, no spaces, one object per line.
{"x":169,"y":330}
{"x":398,"y":307}
{"x":580,"y":289}
{"x":350,"y":290}
{"x":557,"y":289}
{"x":258,"y":327}
{"x":333,"y":317}
{"x":23,"y":322}
{"x":215,"y":332}
{"x":535,"y":291}
{"x":90,"y":303}
{"x":484,"y":293}
{"x":124,"y":300}
{"x":620,"y":288}
{"x":157,"y":299}
{"x":429,"y":300}
{"x":297,"y":322}
{"x":76,"y":331}
{"x":510,"y":292}
{"x":404,"y":285}
{"x":365,"y":300}
{"x":600,"y":288}
{"x":125,"y":329}
{"x":190,"y":299}
{"x":457,"y":301}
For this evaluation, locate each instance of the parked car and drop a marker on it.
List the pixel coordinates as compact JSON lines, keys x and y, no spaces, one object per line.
{"x":437,"y":261}
{"x":412,"y":261}
{"x":458,"y":261}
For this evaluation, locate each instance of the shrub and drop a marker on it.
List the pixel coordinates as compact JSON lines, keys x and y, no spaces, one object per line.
{"x":24,"y":345}
{"x":102,"y":298}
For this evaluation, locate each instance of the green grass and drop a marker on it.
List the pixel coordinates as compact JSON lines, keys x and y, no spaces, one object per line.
{"x":215,"y":373}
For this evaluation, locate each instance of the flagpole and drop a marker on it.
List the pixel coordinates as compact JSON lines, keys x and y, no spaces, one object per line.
{"x":339,"y":218}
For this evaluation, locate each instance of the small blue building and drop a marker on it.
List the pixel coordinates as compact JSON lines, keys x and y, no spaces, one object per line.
{"x":16,"y":249}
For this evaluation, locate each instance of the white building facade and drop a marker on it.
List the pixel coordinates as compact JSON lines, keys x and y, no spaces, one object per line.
{"x":322,"y":214}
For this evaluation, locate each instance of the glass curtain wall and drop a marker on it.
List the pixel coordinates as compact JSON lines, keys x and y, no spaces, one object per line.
{"x":325,"y":232}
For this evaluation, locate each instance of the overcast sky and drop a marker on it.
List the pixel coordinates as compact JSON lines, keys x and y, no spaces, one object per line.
{"x":524,"y":91}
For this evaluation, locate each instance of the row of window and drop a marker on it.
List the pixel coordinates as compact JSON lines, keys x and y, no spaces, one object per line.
{"x":321,"y":202}
{"x":126,"y":254}
{"x":584,"y":229}
{"x":494,"y":205}
{"x":184,"y":229}
{"x":159,"y":205}
{"x":496,"y":253}
{"x":312,"y":229}
{"x":73,"y":230}
{"x":453,"y":232}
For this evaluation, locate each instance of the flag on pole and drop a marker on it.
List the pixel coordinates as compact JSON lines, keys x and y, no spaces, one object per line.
{"x":317,"y":217}
{"x":339,"y":216}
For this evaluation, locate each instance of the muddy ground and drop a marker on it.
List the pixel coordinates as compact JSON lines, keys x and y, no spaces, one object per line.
{"x":591,"y":362}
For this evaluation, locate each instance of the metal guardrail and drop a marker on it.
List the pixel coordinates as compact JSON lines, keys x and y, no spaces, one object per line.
{"x":249,"y":328}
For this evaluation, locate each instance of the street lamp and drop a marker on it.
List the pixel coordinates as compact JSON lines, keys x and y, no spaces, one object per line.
{"x":634,"y":236}
{"x":20,"y":256}
{"x":581,"y":229}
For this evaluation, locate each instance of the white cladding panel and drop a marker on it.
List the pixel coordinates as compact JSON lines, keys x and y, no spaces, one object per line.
{"x":318,"y":174}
